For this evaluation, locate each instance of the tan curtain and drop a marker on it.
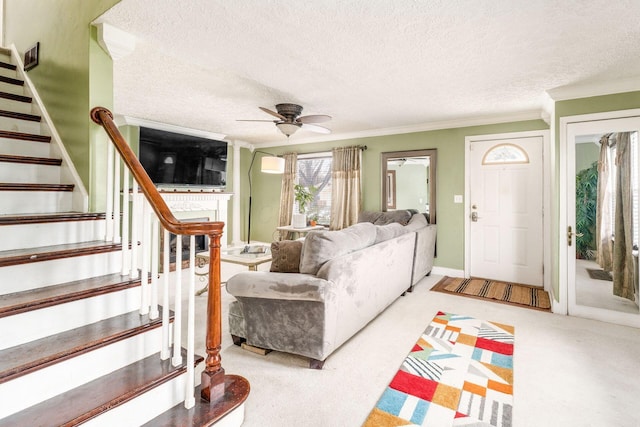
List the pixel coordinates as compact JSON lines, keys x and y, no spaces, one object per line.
{"x":286,"y":191}
{"x":623,"y":237}
{"x":346,"y":191}
{"x":604,"y":244}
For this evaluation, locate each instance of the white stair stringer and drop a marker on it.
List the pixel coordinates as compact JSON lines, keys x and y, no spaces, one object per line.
{"x":148,"y":405}
{"x":28,"y":173}
{"x":22,"y":236}
{"x":22,"y":277}
{"x":18,"y":394}
{"x":21,"y":202}
{"x":29,"y":326}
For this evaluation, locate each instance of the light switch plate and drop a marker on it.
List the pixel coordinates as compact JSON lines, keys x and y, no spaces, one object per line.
{"x":457,"y":198}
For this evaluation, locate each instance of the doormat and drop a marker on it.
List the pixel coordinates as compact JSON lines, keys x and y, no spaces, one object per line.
{"x":460,"y":372}
{"x":599,"y":274}
{"x":492,"y":290}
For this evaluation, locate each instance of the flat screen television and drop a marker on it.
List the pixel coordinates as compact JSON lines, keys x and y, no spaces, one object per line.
{"x":176,"y":160}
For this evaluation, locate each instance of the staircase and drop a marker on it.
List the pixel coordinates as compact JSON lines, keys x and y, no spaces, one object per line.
{"x":74,"y":348}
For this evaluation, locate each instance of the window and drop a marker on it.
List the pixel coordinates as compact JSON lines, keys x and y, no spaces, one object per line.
{"x":504,"y":154}
{"x":314,"y":172}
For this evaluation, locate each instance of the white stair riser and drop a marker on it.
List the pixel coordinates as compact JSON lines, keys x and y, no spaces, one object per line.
{"x":25,"y":202}
{"x":22,"y":236}
{"x":24,"y":148}
{"x":22,"y":277}
{"x":16,"y":106}
{"x":11,"y":88}
{"x":18,"y":125}
{"x":19,"y":394}
{"x":25,"y":327}
{"x":146,"y":406}
{"x":7,"y":72}
{"x":28,"y":173}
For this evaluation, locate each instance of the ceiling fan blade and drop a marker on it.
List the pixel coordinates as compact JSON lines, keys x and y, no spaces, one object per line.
{"x":315,"y":128}
{"x":315,"y":118}
{"x":273,"y":113}
{"x":250,"y":120}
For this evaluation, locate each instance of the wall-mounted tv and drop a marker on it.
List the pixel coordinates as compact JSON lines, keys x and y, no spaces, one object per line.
{"x":173,"y":159}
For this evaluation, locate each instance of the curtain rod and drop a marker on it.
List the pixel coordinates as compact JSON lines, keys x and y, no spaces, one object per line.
{"x":310,"y":153}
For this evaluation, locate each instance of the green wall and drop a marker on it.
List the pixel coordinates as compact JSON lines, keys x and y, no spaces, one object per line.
{"x":450,"y":180}
{"x":62,"y":77}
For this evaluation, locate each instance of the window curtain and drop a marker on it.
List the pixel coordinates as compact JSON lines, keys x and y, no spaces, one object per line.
{"x":623,"y":217}
{"x":604,"y":244}
{"x":286,"y":192}
{"x":346,"y":193}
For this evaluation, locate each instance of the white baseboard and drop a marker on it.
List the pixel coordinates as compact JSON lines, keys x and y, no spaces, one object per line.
{"x":444,"y":271}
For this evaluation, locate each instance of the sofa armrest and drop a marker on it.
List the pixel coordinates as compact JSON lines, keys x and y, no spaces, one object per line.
{"x":279,"y":286}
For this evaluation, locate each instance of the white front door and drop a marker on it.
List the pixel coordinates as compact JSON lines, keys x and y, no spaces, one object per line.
{"x":506,"y":210}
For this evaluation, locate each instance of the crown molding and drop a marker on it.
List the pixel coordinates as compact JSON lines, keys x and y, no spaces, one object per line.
{"x":121,"y":120}
{"x":116,"y":42}
{"x":564,"y":93}
{"x":444,"y":124}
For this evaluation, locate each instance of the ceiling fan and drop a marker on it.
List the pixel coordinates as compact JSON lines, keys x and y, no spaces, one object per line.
{"x":289,"y":120}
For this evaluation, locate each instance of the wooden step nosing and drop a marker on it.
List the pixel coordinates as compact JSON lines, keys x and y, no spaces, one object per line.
{"x":15,"y":186}
{"x":66,"y":298}
{"x":23,"y":136}
{"x":52,"y":359}
{"x":51,"y":218}
{"x":20,"y":116}
{"x":11,"y":81}
{"x":14,"y":97}
{"x":59,"y":254}
{"x":44,"y":161}
{"x":8,"y":66}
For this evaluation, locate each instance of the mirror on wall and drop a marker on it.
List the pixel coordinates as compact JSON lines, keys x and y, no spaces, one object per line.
{"x":409,"y":181}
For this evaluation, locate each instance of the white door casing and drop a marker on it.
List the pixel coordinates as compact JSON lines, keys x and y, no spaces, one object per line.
{"x":506,"y":240}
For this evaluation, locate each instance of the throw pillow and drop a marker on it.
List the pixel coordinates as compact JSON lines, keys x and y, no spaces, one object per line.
{"x":389,"y":231}
{"x":285,"y":256}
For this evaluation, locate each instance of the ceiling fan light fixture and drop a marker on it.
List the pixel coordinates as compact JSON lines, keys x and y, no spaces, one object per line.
{"x":288,"y":128}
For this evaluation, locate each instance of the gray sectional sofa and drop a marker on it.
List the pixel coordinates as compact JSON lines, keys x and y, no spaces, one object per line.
{"x":345,"y":279}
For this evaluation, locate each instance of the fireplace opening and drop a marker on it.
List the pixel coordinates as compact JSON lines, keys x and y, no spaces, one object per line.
{"x":202,"y":244}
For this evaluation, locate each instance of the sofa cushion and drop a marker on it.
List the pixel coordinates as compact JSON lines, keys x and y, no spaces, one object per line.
{"x":417,"y":222}
{"x":383,"y":218}
{"x":389,"y":231}
{"x":321,"y":246}
{"x":285,"y":256}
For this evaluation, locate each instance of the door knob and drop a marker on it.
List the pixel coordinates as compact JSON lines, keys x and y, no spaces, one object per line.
{"x":570,"y":235}
{"x":474,"y":216}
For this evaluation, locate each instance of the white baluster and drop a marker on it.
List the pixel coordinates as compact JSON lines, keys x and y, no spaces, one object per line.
{"x":109,"y":206}
{"x":154,"y":267}
{"x":116,"y":198}
{"x":135,"y":225}
{"x":146,"y":245}
{"x":177,"y":321}
{"x":165,"y":353}
{"x":126,"y":252}
{"x":190,"y":401}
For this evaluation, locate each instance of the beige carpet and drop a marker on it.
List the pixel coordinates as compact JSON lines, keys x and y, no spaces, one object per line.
{"x":493,"y":290}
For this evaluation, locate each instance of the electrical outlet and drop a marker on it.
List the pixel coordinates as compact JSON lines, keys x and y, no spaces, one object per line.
{"x":457,"y":198}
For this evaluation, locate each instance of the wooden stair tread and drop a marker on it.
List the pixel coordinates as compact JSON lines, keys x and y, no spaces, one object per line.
{"x":35,"y":299}
{"x":32,"y":356}
{"x":89,"y":400}
{"x":24,"y":136}
{"x":46,"y":253}
{"x":203,"y":413}
{"x":14,"y":97}
{"x":7,"y":65}
{"x":12,"y":186}
{"x":11,"y":81}
{"x":20,"y":116}
{"x":8,"y":158}
{"x":54,"y":217}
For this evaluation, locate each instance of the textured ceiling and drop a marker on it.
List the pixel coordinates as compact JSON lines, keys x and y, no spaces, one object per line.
{"x":373,"y":65}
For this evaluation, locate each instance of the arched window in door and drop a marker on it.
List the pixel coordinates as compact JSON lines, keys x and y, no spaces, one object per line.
{"x":505,"y":154}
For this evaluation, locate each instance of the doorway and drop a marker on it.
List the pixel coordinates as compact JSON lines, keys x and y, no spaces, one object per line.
{"x":599,"y":205}
{"x":506,"y":236}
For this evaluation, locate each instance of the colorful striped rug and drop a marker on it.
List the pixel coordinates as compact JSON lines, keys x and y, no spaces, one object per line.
{"x":508,"y":293}
{"x":459,"y":373}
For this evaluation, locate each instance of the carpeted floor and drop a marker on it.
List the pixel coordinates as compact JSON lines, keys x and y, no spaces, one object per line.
{"x":507,"y":293}
{"x":460,"y":372}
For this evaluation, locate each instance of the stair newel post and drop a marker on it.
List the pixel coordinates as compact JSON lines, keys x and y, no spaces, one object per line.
{"x":212,"y":384}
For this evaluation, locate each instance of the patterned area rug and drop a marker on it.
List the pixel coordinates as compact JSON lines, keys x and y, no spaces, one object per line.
{"x":459,"y":373}
{"x":508,"y":293}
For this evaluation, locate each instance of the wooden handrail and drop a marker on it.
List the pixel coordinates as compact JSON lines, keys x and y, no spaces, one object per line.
{"x":213,"y":376}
